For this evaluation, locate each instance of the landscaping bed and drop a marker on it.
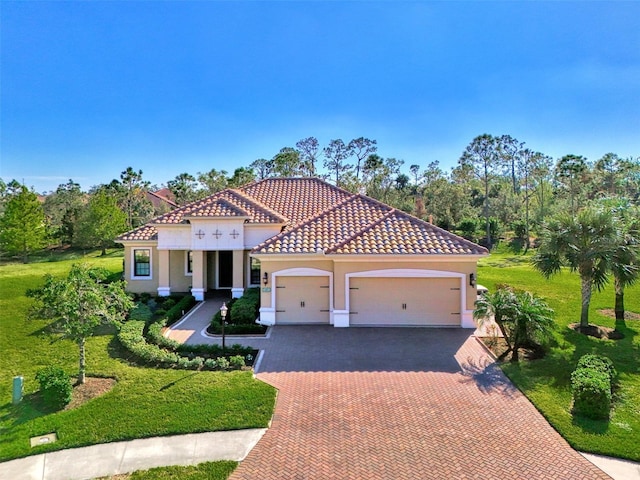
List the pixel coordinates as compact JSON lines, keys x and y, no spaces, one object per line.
{"x":547,"y":381}
{"x":144,"y":402}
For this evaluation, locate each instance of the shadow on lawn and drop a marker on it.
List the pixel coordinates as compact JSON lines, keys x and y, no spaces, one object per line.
{"x":181,"y":379}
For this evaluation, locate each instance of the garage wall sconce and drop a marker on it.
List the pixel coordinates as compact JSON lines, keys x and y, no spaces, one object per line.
{"x":472,"y":279}
{"x":265,"y":279}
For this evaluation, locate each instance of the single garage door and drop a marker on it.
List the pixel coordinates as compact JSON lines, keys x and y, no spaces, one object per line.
{"x":302,"y":300}
{"x":404,"y":301}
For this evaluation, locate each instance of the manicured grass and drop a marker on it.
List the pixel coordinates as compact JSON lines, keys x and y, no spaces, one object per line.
{"x":202,"y":471}
{"x":546,"y":382}
{"x":145,"y":402}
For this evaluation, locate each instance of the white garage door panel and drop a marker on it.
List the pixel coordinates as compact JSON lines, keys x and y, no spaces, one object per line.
{"x":302,"y":300}
{"x":404,"y":301}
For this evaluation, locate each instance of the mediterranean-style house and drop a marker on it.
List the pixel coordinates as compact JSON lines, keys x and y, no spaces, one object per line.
{"x":320,"y":254}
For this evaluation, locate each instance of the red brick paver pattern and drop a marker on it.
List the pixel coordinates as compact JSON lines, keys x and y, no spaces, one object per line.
{"x":409,"y":425}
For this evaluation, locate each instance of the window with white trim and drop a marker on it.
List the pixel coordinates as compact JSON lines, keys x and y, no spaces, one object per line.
{"x":142,"y":263}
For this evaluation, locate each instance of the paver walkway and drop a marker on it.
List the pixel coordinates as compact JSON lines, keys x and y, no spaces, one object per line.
{"x":468,"y":424}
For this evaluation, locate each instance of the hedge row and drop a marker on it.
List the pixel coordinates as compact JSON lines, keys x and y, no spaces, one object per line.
{"x":132,"y":338}
{"x":592,"y":384}
{"x":241,"y":316}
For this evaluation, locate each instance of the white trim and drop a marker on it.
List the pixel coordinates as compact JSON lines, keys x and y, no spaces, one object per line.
{"x":133,"y":264}
{"x":164,"y":291}
{"x":414,"y":273}
{"x":267,"y":316}
{"x":198,"y":294}
{"x":237,"y":292}
{"x":299,"y":272}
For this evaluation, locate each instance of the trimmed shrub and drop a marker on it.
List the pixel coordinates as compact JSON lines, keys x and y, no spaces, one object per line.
{"x":175,"y":313}
{"x":232,"y":329}
{"x":168,"y":303}
{"x":591,"y":393}
{"x":55,"y":386}
{"x":599,"y":363}
{"x":141,"y":312}
{"x":222,"y":363}
{"x":236,"y":362}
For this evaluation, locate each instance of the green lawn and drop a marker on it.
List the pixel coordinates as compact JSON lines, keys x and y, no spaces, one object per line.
{"x":145,"y":402}
{"x":546,"y":382}
{"x":203,"y":471}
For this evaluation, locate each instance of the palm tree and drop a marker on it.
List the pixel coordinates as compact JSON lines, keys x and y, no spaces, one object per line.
{"x":586,"y":243}
{"x":533,"y":321}
{"x":625,"y":264}
{"x":500,"y":307}
{"x":523,"y":318}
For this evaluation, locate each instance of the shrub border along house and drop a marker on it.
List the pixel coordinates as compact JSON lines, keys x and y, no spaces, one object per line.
{"x":592,"y":385}
{"x":144,"y":340}
{"x":241,"y":316}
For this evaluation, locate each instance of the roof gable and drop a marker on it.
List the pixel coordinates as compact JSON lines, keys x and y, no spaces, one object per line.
{"x":318,"y":217}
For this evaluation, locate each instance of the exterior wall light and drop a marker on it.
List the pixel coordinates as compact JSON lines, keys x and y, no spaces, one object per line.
{"x":472,"y":279}
{"x":265,"y":279}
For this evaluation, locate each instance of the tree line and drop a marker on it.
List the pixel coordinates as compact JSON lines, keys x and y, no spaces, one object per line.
{"x":499,"y":186}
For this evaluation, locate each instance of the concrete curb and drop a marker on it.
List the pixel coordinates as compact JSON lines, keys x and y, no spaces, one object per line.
{"x":124,"y":457}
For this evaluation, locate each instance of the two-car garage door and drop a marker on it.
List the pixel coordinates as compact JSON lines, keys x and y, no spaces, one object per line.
{"x":405,"y":301}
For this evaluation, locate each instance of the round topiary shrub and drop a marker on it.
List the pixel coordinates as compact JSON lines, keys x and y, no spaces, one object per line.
{"x":55,"y":386}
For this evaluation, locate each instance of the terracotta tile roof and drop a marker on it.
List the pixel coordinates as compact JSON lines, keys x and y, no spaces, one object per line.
{"x":145,"y":232}
{"x":361,"y":225}
{"x":318,"y":217}
{"x":297,"y":199}
{"x":328,"y":228}
{"x":400,"y":233}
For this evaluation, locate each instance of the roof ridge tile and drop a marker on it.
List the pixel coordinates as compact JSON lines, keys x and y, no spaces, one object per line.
{"x":257,"y":203}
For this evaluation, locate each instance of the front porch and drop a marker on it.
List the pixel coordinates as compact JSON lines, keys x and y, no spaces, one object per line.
{"x":201,"y":271}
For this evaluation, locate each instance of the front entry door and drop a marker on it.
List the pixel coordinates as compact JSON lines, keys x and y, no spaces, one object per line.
{"x":225,"y":269}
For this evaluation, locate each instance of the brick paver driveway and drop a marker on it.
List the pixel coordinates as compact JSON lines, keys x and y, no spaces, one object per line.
{"x":399,"y":404}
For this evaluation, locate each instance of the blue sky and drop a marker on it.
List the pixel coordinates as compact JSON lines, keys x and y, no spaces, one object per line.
{"x":90,"y":88}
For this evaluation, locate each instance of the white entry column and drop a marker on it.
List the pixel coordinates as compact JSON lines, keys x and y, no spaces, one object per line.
{"x":198,"y":277}
{"x":237,"y":285}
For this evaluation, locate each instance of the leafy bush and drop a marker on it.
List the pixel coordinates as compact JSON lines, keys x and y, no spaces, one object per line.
{"x":591,"y":393}
{"x":55,"y":386}
{"x":222,"y":363}
{"x":468,"y":228}
{"x":519,"y":229}
{"x":236,"y":362}
{"x":246,"y":329}
{"x":174,"y":354}
{"x":599,"y":363}
{"x":168,"y":303}
{"x":141,"y":312}
{"x":145,"y":297}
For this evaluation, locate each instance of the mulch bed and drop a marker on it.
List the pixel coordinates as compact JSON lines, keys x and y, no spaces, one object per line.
{"x":497,"y":346}
{"x":597,"y":331}
{"x":609,"y":312}
{"x":92,"y":388}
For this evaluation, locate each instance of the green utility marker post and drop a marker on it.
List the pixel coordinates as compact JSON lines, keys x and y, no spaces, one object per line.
{"x":18,"y":383}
